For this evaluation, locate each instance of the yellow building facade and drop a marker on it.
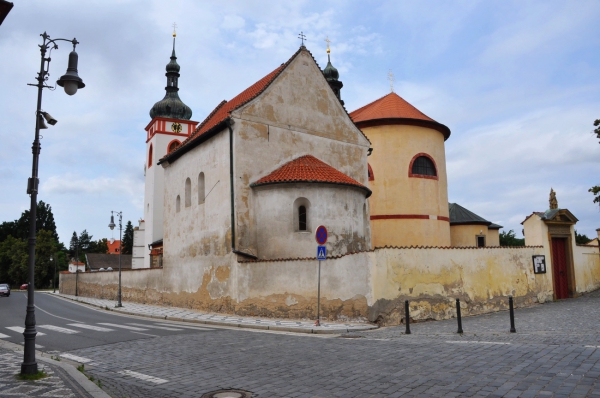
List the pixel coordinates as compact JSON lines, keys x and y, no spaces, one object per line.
{"x":407,"y":174}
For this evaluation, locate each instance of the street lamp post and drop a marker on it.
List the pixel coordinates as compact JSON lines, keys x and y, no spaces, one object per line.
{"x":71,"y":82}
{"x":112,"y":226}
{"x":53,"y":275}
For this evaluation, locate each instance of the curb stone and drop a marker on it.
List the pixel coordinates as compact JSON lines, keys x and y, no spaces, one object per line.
{"x":90,"y":387}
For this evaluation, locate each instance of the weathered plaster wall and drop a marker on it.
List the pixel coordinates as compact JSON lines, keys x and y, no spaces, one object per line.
{"x":297,"y":114}
{"x":343,"y":209}
{"x":587,"y":268}
{"x":368,"y":285}
{"x":465,"y":235}
{"x":433,"y":278}
{"x":395,"y":193}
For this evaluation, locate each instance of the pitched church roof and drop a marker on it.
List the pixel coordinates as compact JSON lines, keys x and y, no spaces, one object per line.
{"x":308,"y":168}
{"x":391,"y":109}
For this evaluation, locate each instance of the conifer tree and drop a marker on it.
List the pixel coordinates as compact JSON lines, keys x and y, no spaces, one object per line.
{"x":128,"y":238}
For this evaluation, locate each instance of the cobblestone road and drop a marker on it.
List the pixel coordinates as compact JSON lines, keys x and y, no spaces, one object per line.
{"x":556,"y":352}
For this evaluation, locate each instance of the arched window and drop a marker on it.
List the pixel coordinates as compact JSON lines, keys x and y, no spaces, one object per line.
{"x":173,"y":145}
{"x":188,"y":192}
{"x":150,"y":156}
{"x":301,"y":215}
{"x":201,"y":188}
{"x":370,"y":173}
{"x":423,"y":166}
{"x":178,"y":204}
{"x":302,"y":218}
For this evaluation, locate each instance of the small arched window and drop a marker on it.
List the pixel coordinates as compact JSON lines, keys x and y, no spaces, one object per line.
{"x":301,"y":214}
{"x":188,"y":192}
{"x":173,"y":145}
{"x":178,"y":204}
{"x":422,"y":165}
{"x":201,"y":195}
{"x":150,"y":156}
{"x":302,"y":218}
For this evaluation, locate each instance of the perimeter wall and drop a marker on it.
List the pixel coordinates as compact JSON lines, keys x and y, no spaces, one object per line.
{"x":366,"y":286}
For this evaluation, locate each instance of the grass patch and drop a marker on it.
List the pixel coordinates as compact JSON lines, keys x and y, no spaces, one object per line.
{"x":39,"y":375}
{"x":56,"y":358}
{"x":81,"y":368}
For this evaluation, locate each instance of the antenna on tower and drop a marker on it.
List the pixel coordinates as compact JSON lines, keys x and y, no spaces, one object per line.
{"x":391,"y":79}
{"x":174,"y":29}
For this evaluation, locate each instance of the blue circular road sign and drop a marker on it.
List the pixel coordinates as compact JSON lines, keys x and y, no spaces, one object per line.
{"x":321,"y":235}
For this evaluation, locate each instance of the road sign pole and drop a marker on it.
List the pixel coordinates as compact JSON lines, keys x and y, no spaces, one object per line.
{"x":318,"y":322}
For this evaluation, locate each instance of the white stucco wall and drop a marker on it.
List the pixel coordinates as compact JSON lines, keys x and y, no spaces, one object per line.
{"x":340,"y":208}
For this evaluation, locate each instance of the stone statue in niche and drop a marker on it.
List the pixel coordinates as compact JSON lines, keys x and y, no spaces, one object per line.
{"x":553,"y":201}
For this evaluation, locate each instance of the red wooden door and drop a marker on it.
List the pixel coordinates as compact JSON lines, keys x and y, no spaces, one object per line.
{"x":559,"y":267}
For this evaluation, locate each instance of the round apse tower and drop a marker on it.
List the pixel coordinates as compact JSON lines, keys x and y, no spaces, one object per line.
{"x":407,"y":174}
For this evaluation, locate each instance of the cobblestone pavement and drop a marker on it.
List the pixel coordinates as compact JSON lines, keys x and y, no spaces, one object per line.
{"x":556,"y":352}
{"x":182,"y":314}
{"x":57,"y":384}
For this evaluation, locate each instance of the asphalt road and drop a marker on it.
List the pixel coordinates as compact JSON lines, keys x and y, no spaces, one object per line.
{"x":65,"y":326}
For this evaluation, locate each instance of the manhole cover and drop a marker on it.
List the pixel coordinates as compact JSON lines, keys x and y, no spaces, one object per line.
{"x":228,"y":394}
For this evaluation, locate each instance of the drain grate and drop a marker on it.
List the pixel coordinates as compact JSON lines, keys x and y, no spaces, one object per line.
{"x":227,"y":394}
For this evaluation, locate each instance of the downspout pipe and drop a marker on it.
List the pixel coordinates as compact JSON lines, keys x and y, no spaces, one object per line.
{"x":229,"y":123}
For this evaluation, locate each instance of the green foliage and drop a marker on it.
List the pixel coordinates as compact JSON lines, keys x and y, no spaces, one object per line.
{"x":581,"y":239}
{"x":13,"y":261}
{"x":597,"y":129}
{"x":39,"y":375}
{"x":81,"y":368}
{"x":20,"y":228}
{"x":509,"y":239}
{"x":128,"y":239}
{"x":596,"y":191}
{"x":99,"y":246}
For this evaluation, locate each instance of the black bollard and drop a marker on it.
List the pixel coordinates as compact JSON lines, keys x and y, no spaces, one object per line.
{"x":512,"y":315}
{"x":460,"y":330}
{"x":407,"y":317}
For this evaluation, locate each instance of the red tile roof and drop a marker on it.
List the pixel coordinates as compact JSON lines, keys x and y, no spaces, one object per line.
{"x":307,"y":168}
{"x":392,"y":106}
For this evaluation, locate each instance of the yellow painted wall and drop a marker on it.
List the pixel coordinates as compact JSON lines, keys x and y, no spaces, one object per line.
{"x":465,"y":235}
{"x":409,"y":232}
{"x":587,"y":268}
{"x":394,"y":192}
{"x":493,"y":237}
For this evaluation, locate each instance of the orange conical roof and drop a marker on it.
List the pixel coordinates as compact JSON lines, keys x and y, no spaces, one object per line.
{"x":393,"y":109}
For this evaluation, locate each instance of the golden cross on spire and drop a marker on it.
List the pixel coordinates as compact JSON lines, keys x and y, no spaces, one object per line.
{"x":391,"y":79}
{"x":174,"y":29}
{"x":328,"y":41}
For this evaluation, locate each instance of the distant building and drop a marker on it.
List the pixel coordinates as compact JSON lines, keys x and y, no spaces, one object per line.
{"x":113,"y":246}
{"x":99,"y":261}
{"x":76,"y":266}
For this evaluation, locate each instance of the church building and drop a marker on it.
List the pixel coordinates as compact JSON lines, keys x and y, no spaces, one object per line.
{"x":265,"y":168}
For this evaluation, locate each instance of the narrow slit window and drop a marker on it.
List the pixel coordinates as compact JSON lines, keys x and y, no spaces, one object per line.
{"x":188,"y":192}
{"x":302,"y":218}
{"x":178,"y":204}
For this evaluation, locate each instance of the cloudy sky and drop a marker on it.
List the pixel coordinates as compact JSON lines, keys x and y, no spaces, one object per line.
{"x":518,"y":83}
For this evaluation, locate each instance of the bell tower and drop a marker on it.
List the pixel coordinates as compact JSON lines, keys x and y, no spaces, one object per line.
{"x":169,"y":127}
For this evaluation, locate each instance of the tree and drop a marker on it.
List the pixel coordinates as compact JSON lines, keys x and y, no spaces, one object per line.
{"x":509,"y":239}
{"x":44,"y":220}
{"x":127,"y":244}
{"x":44,"y":249}
{"x":85,"y":240}
{"x":595,"y":190}
{"x":74,"y":245}
{"x":99,"y":246}
{"x":581,"y":239}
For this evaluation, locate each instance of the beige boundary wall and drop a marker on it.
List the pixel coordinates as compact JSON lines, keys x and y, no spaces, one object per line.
{"x":365,"y":286}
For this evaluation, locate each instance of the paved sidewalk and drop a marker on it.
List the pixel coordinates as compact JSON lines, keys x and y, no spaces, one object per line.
{"x":63,"y":379}
{"x":185,"y":315}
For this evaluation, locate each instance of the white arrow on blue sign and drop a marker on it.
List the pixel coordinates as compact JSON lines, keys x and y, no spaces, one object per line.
{"x":321,"y":253}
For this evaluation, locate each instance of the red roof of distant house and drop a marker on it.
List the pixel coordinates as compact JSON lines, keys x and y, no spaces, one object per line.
{"x":113,"y":248}
{"x":307,"y":168}
{"x":73,"y":262}
{"x":390,"y":107}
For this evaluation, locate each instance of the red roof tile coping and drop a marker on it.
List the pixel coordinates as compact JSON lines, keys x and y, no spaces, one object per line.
{"x":392,"y":106}
{"x":308,"y":168}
